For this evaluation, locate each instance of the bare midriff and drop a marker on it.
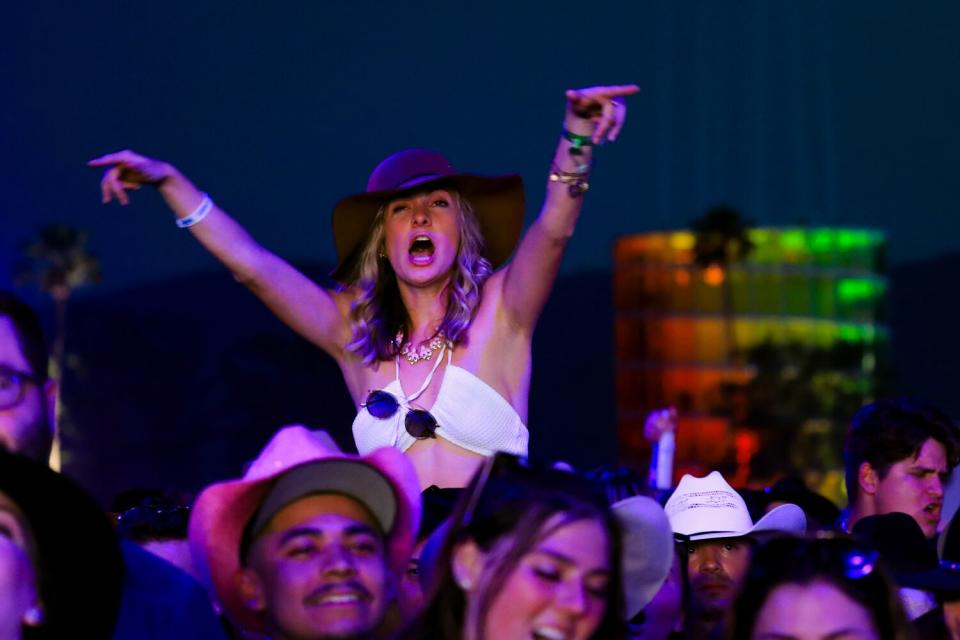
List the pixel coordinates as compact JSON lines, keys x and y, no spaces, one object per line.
{"x":442,"y":463}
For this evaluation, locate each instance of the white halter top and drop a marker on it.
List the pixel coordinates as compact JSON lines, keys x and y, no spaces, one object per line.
{"x":469,"y":413}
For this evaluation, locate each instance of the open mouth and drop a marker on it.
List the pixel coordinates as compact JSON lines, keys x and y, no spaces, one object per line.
{"x":933,"y":510}
{"x":336,"y":597}
{"x":421,"y":250}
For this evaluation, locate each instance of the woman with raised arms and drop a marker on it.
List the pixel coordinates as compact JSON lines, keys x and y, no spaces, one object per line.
{"x":433,"y":324}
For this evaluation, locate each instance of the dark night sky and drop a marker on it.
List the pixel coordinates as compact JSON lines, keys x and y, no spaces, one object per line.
{"x":817,"y":112}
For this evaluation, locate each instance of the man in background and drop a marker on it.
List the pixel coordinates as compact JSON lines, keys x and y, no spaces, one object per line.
{"x":27,"y":394}
{"x":897,"y":457}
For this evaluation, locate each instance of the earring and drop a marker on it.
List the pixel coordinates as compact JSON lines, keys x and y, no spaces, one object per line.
{"x":33,"y":617}
{"x":463,"y":582}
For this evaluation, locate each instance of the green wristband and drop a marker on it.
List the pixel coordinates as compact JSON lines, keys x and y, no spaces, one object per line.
{"x":577,"y":141}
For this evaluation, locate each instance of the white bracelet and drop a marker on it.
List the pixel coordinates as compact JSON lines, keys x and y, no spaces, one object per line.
{"x":198,"y":214}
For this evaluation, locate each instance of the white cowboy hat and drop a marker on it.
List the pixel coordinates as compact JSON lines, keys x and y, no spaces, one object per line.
{"x":647,"y":550}
{"x":707,"y":508}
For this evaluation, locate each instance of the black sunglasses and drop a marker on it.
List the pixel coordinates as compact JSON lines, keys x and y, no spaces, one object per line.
{"x":419,"y":423}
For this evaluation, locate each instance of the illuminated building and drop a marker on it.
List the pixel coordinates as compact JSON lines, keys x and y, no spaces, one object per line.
{"x":686,"y":336}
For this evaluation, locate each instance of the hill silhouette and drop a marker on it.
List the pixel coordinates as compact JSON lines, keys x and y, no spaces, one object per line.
{"x":178,"y":383}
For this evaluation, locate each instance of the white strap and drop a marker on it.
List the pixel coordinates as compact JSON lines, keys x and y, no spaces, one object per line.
{"x":426,"y":383}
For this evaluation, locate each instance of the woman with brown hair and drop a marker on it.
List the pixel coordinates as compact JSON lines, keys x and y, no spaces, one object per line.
{"x":433,"y":323}
{"x":529,"y":553}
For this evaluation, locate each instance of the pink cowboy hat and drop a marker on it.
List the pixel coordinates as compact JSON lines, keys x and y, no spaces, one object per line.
{"x":497,"y":203}
{"x":307,"y":462}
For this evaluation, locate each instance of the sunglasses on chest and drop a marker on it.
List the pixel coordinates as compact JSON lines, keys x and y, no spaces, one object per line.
{"x":419,"y":423}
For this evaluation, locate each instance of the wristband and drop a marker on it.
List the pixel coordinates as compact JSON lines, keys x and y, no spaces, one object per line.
{"x":577,"y":141}
{"x":198,"y":214}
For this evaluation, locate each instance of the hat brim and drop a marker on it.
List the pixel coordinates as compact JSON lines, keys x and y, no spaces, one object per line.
{"x":787,"y":518}
{"x":498,"y":203}
{"x":647,"y":550}
{"x":938,"y":580}
{"x":222,"y":511}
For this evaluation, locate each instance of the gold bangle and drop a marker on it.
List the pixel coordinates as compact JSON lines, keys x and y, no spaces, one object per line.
{"x":576,"y":183}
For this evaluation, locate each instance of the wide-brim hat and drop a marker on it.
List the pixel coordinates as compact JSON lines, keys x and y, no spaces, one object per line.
{"x":497,"y":202}
{"x":77,"y":558}
{"x":911,"y":558}
{"x":708,"y":508}
{"x":298,"y":462}
{"x":647,"y":552}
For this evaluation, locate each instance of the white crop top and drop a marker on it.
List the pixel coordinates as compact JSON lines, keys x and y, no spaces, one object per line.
{"x":468,"y":411}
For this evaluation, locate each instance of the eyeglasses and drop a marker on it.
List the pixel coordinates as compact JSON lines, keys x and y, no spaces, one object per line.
{"x":419,"y":423}
{"x":13,"y":386}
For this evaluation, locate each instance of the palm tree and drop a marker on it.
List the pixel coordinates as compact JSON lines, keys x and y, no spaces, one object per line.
{"x":722,"y":239}
{"x":58,"y":263}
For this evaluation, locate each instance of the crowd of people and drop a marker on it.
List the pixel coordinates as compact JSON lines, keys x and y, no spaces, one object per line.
{"x":440,"y":527}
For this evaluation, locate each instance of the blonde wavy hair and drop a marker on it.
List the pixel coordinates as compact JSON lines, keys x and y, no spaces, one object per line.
{"x":378,"y":314}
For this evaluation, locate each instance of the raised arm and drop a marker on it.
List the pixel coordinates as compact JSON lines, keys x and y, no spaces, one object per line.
{"x":315,"y":313}
{"x":593,"y":116}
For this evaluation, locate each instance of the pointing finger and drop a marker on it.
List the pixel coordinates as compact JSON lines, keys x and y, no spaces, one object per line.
{"x":102,"y":161}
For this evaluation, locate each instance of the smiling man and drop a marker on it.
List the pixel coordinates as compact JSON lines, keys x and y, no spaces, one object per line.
{"x":897,"y":457}
{"x":310,"y":542}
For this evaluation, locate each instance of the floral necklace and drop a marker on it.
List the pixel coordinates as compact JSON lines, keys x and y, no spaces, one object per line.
{"x":424,"y":351}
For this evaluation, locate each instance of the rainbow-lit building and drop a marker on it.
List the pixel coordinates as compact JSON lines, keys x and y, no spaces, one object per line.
{"x":685,"y":333}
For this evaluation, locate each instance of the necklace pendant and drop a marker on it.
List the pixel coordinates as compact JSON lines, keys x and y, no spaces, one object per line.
{"x":424,"y":352}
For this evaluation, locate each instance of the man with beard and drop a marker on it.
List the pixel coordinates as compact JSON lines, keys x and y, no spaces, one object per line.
{"x":311,"y":542}
{"x":898,"y":456}
{"x":715,"y":534}
{"x":27,"y":394}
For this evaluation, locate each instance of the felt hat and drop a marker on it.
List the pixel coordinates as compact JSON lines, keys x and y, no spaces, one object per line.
{"x":497,"y":203}
{"x":708,"y":508}
{"x":295,"y":463}
{"x":911,"y":558}
{"x":948,"y":544}
{"x":647,"y":552}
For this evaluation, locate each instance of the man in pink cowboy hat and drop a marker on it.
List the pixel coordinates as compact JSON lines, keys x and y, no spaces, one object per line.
{"x":307,"y":543}
{"x":713,"y":527}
